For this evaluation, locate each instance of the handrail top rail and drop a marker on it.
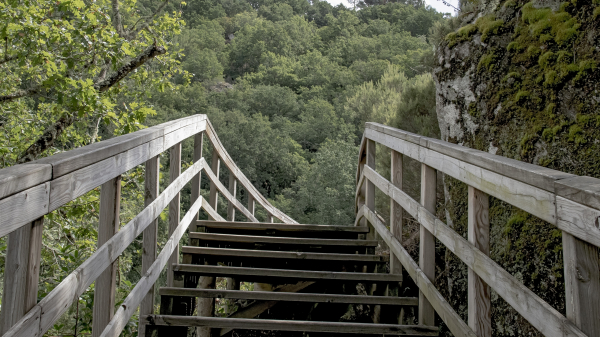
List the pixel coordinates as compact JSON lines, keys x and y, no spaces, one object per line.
{"x":20,"y":177}
{"x":581,"y":189}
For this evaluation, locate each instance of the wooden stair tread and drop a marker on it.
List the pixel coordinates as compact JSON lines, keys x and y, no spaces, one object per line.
{"x":233,"y":252}
{"x":221,"y":271}
{"x":288,"y":325}
{"x":280,"y":227}
{"x":290,"y":297}
{"x":281,"y":240}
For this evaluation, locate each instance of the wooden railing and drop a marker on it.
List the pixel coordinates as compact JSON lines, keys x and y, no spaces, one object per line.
{"x":571,"y":203}
{"x":30,"y":191}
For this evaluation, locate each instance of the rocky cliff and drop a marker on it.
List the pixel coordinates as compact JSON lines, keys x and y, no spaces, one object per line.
{"x":521,"y":80}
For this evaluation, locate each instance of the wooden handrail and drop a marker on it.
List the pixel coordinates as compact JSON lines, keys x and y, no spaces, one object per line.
{"x":570,"y":202}
{"x":29,"y":191}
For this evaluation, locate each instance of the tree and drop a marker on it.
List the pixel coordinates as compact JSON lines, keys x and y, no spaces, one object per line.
{"x":63,"y":62}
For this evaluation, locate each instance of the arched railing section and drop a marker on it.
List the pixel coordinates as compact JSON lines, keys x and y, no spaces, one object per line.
{"x":30,"y":191}
{"x":571,"y":203}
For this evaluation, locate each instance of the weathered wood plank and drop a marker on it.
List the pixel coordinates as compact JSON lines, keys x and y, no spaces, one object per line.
{"x":427,"y":241}
{"x":281,"y":325}
{"x":23,"y":208}
{"x":196,"y":181}
{"x":479,"y":300}
{"x":150,"y":236}
{"x":108,"y":225}
{"x":28,"y":326}
{"x":34,"y":262}
{"x":233,"y":192}
{"x":280,"y":254}
{"x":396,"y":212}
{"x":583,"y":190}
{"x":578,"y":220}
{"x":279,"y":227}
{"x":442,"y":307}
{"x":18,"y":178}
{"x":281,"y":240}
{"x":214,"y":181}
{"x":251,"y":203}
{"x":290,"y":297}
{"x":146,"y":283}
{"x":369,"y":187}
{"x":283,"y":273}
{"x":582,"y":284}
{"x":179,"y":135}
{"x":174,"y":207}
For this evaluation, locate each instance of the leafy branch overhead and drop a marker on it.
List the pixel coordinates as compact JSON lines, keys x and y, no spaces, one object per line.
{"x":64,"y":61}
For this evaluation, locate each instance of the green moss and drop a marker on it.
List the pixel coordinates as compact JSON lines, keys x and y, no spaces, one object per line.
{"x":585,"y":67}
{"x":545,"y":60}
{"x":486,"y":62}
{"x":576,"y":135}
{"x":522,"y":95}
{"x":510,"y":4}
{"x":461,"y":35}
{"x":533,"y":51}
{"x":545,"y":24}
{"x":514,"y":47}
{"x":473,"y":110}
{"x":596,"y":12}
{"x":488,"y":25}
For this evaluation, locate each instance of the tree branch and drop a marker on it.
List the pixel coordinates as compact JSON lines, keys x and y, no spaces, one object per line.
{"x":8,"y":59}
{"x":117,"y":20}
{"x":18,"y":94}
{"x":148,"y":20}
{"x":47,"y":139}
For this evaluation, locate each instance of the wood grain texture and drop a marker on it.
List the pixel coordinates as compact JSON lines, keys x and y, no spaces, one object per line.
{"x":233,"y":192}
{"x":279,"y":227}
{"x":18,"y":178}
{"x":427,"y":241}
{"x":539,"y":313}
{"x":280,"y":240}
{"x":23,"y":208}
{"x":289,"y":296}
{"x":578,"y":220}
{"x":215,"y":165}
{"x":28,"y":326}
{"x":209,"y":251}
{"x":58,"y":301}
{"x":150,"y":236}
{"x":243,"y":272}
{"x":34,"y":263}
{"x":479,"y":300}
{"x":15,"y":277}
{"x":219,"y":187}
{"x":251,"y":204}
{"x":146,"y":283}
{"x":583,"y":190}
{"x":396,"y":212}
{"x":174,"y":206}
{"x":369,"y":187}
{"x":108,"y":226}
{"x":455,"y":324}
{"x":282,"y":325}
{"x":198,"y":144}
{"x":582,"y":284}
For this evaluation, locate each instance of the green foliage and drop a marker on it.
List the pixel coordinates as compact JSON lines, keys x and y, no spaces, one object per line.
{"x":486,"y":62}
{"x":488,"y":25}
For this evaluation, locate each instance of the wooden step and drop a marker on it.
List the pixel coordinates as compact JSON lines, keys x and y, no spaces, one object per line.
{"x":289,"y":297}
{"x":252,"y":253}
{"x":252,"y":274}
{"x":281,"y":240}
{"x":285,"y":325}
{"x":280,"y":227}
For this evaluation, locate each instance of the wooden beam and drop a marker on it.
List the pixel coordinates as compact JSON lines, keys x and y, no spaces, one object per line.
{"x":396,"y":212}
{"x":248,"y":273}
{"x":174,"y":206}
{"x":281,"y":325}
{"x":33,"y":263}
{"x":290,"y":296}
{"x":280,"y":227}
{"x":214,"y":180}
{"x":370,"y":188}
{"x":582,"y":284}
{"x":214,"y":195}
{"x":479,"y":300}
{"x":152,"y":181}
{"x":281,"y":240}
{"x":427,"y":242}
{"x":196,"y":181}
{"x":22,"y":208}
{"x":18,"y":178}
{"x":108,"y":226}
{"x":251,"y":203}
{"x":233,"y":192}
{"x":246,"y":253}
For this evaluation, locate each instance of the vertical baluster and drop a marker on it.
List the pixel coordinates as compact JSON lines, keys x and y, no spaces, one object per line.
{"x":21,"y":273}
{"x":270,"y":217}
{"x":174,"y":207}
{"x":396,"y":218}
{"x":196,"y":180}
{"x":108,"y":225}
{"x":214,"y":195}
{"x":582,"y":284}
{"x":150,"y":235}
{"x":427,"y":242}
{"x":233,"y":191}
{"x":251,"y":203}
{"x":480,"y":306}
{"x":372,"y":235}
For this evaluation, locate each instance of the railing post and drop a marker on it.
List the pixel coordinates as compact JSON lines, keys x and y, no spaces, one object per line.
{"x":233,"y":191}
{"x":108,"y":225}
{"x":370,"y":187}
{"x":480,"y":306}
{"x":214,"y":194}
{"x":198,"y":144}
{"x":251,"y":203}
{"x":174,"y":207}
{"x":396,"y":218}
{"x":427,"y":242}
{"x":150,"y":235}
{"x":582,"y":284}
{"x":21,"y":273}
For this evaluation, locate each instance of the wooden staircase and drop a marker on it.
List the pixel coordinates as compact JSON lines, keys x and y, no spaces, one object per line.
{"x":307,"y":266}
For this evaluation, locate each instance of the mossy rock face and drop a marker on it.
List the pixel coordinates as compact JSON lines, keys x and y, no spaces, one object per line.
{"x":522,"y":82}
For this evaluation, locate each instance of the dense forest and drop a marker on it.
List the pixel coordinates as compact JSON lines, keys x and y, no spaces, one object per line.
{"x":288,"y":86}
